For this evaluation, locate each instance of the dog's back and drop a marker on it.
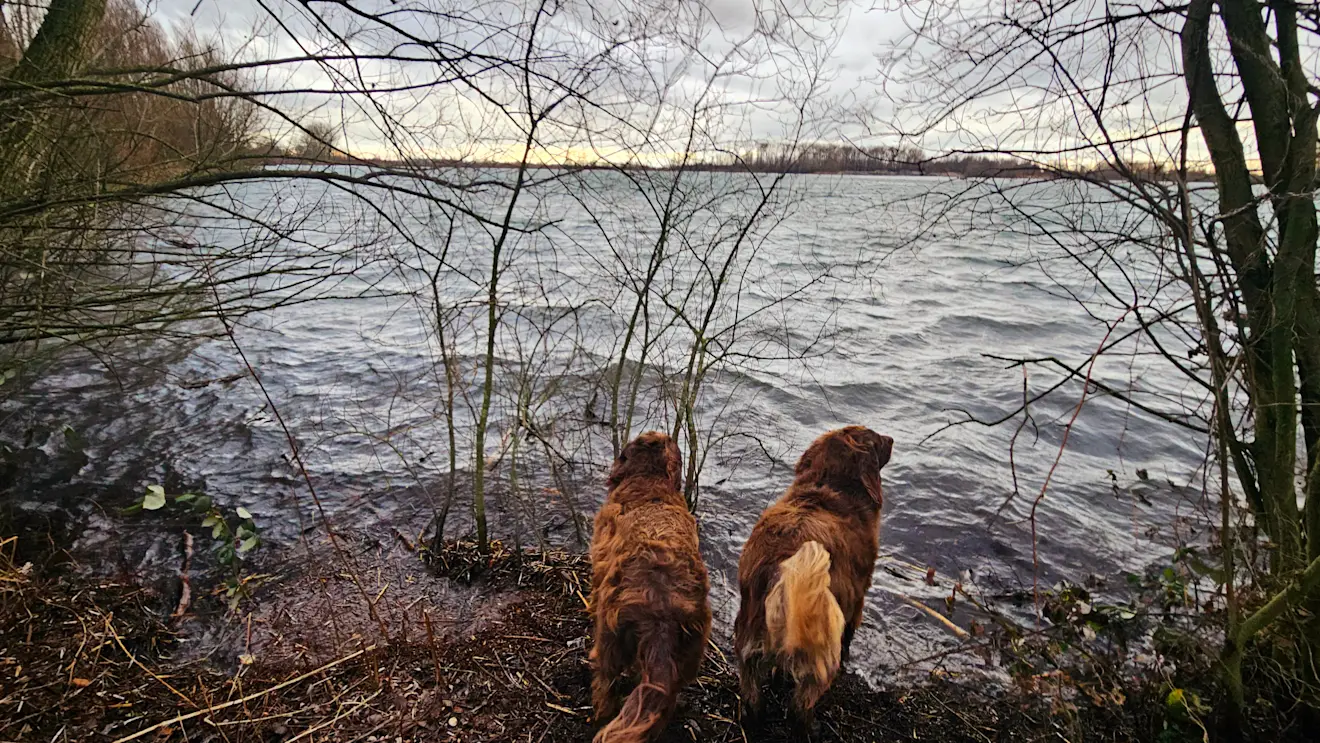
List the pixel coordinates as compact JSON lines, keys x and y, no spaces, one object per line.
{"x":808,"y":514}
{"x":807,"y":545}
{"x":649,"y":595}
{"x":647,"y":560}
{"x":806,"y":567}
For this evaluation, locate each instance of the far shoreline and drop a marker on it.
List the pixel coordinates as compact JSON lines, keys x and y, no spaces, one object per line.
{"x":987,"y":173}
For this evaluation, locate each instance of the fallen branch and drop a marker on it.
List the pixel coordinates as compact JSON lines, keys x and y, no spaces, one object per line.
{"x":948,"y":623}
{"x":353,"y":708}
{"x":246,"y":699}
{"x":185,"y":586}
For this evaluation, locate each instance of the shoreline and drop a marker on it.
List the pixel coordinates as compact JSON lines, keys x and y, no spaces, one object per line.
{"x":916,"y":171}
{"x":515,"y":669}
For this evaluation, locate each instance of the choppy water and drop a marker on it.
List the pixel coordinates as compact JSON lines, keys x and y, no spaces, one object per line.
{"x":895,"y":336}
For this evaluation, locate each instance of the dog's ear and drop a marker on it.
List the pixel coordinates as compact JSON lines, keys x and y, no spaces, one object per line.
{"x":878,"y":448}
{"x":674,"y":465}
{"x":884,"y":449}
{"x":620,"y":469}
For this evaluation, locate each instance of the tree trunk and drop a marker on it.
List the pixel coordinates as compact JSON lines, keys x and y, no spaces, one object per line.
{"x":1269,"y":345}
{"x":1283,"y":335}
{"x":55,"y":53}
{"x":57,"y":50}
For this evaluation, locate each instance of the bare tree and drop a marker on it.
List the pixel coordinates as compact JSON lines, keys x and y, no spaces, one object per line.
{"x":1217,"y":283}
{"x":316,"y":142}
{"x":702,"y":232}
{"x":482,"y":156}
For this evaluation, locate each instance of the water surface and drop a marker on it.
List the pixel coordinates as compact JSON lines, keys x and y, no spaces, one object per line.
{"x":885,"y":324}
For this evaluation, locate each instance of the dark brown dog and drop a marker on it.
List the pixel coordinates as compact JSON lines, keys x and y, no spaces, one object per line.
{"x":806,"y":567}
{"x":648,"y":592}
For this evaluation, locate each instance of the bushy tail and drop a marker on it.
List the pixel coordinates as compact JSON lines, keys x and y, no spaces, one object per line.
{"x":804,"y":621}
{"x":647,"y":709}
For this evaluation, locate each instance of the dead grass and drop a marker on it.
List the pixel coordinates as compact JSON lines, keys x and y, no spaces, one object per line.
{"x":91,"y":661}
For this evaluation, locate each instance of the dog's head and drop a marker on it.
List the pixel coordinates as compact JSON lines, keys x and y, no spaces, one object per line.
{"x":652,"y":454}
{"x":844,"y":456}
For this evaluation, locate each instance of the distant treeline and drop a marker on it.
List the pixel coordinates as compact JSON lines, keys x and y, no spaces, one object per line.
{"x":826,"y":157}
{"x":135,"y":137}
{"x":834,"y":158}
{"x":900,"y":160}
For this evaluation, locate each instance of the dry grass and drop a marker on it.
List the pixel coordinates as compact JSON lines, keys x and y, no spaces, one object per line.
{"x":88,"y":661}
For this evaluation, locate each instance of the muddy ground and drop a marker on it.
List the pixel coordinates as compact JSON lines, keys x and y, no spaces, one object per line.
{"x":99,"y":660}
{"x":461,"y":647}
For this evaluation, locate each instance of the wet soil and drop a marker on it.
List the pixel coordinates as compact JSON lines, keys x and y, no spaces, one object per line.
{"x":91,"y":660}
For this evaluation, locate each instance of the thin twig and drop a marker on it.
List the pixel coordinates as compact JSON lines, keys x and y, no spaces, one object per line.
{"x":1063,"y":445}
{"x":246,"y":699}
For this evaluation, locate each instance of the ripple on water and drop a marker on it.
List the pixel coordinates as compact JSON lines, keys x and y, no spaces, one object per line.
{"x":907,"y":347}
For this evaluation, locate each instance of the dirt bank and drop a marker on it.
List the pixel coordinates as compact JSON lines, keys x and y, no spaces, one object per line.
{"x":84,"y":660}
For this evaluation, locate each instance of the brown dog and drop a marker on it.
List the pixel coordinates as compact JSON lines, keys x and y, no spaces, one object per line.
{"x":648,"y":592}
{"x":806,"y":567}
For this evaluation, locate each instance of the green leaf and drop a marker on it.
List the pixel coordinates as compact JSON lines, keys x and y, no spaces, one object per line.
{"x":218,"y":528}
{"x":185,"y":498}
{"x":154,"y":499}
{"x":247,"y":544}
{"x":74,"y":440}
{"x":243,"y":513}
{"x":202,"y":504}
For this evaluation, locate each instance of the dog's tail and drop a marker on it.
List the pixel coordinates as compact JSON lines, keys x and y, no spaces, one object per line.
{"x":804,"y":622}
{"x":648,"y":707}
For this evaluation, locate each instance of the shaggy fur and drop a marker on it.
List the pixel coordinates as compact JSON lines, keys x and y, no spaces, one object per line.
{"x":805,"y":570}
{"x":648,"y":592}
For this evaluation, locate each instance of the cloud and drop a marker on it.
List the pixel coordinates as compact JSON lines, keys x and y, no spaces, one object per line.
{"x":639,"y":75}
{"x":638,"y":78}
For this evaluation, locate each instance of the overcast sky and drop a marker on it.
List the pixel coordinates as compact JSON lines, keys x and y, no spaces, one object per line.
{"x":758,"y":95}
{"x":812,"y":74}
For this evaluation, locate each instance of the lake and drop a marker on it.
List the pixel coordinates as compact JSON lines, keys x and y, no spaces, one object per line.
{"x":845,"y":301}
